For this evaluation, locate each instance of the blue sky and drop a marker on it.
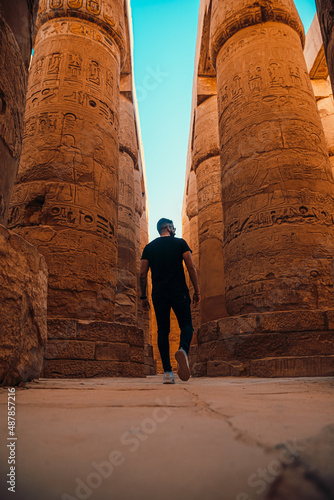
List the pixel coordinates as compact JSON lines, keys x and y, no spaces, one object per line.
{"x":165,"y":34}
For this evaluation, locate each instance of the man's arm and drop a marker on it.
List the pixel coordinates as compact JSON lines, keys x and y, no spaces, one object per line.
{"x":188,"y":259}
{"x":144,"y":267}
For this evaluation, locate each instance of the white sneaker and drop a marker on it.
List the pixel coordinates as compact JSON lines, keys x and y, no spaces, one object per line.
{"x":183,"y":369}
{"x":169,"y":378}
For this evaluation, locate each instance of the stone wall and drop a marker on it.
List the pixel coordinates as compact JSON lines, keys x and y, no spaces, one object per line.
{"x":23,"y":299}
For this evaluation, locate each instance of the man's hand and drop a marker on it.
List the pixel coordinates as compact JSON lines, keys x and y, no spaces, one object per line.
{"x":196,"y":299}
{"x":145,"y":304}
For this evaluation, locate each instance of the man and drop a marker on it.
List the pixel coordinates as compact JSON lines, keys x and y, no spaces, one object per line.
{"x":165,"y":256}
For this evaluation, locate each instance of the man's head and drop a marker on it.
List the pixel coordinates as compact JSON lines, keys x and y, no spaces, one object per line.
{"x":166,"y":227}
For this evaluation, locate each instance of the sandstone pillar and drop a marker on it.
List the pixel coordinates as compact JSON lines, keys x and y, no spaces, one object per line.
{"x":206,"y":163}
{"x":277,"y":186}
{"x":326,"y":18}
{"x":15,"y":43}
{"x":192,"y":214}
{"x":126,"y":296}
{"x":66,"y":195}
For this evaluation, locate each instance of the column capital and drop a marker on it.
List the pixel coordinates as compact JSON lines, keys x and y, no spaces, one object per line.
{"x":231,"y":16}
{"x":107,"y":14}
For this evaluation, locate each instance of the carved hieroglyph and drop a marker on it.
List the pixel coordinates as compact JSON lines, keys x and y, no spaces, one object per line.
{"x":15,"y":42}
{"x":277,"y":185}
{"x":126,"y":296}
{"x":326,"y":18}
{"x":66,"y":196}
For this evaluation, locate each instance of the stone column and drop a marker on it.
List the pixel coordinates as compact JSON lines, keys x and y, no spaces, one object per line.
{"x":277,"y":185}
{"x":126,"y":296}
{"x":326,"y":18}
{"x":206,"y":163}
{"x":15,"y":42}
{"x":65,"y":198}
{"x":66,"y":195}
{"x":192,"y":214}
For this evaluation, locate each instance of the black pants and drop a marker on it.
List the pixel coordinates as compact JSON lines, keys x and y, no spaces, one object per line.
{"x":180,"y":303}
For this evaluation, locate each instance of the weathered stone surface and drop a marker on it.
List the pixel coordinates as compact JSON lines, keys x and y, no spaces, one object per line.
{"x":210,"y":236}
{"x":109,"y":14}
{"x":206,"y":138}
{"x":72,"y":349}
{"x":271,"y":233}
{"x":326,"y":19}
{"x":254,"y":344}
{"x":13,"y":87}
{"x":61,"y":329}
{"x":127,"y":264}
{"x":313,"y":366}
{"x":23,"y":292}
{"x":329,"y":318}
{"x":114,"y":369}
{"x":60,"y":368}
{"x":112,"y":332}
{"x":230,"y":17}
{"x":112,"y":351}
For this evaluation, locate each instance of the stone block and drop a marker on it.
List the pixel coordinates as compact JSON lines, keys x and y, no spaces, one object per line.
{"x":208,"y":332}
{"x":329,"y":315}
{"x":61,"y":329}
{"x":291,"y":321}
{"x":71,"y":349}
{"x":307,"y":366}
{"x":199,"y":370}
{"x":239,"y":369}
{"x":236,"y":325}
{"x":218,"y":369}
{"x":63,"y":368}
{"x":109,"y":368}
{"x":133,"y":370}
{"x":112,"y":351}
{"x":136,"y":354}
{"x":216,"y":350}
{"x":105,"y":368}
{"x":23,"y":301}
{"x":102,"y":331}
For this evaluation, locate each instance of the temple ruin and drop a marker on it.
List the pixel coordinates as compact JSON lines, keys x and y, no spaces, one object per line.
{"x":258,"y":202}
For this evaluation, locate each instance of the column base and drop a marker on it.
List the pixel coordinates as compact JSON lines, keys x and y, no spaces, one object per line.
{"x":279,"y":344}
{"x":85,"y":349}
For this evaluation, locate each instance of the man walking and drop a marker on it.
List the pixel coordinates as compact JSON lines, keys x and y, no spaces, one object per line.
{"x":165,"y":256}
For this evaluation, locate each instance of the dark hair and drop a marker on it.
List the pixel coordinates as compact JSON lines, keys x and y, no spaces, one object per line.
{"x":163,"y":224}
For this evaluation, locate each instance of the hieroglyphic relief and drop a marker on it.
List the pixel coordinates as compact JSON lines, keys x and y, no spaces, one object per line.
{"x":68,"y":175}
{"x":277,"y":186}
{"x":109,"y":13}
{"x":13,"y":84}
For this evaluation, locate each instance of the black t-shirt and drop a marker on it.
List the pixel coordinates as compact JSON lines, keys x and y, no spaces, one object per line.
{"x":165,"y":259}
